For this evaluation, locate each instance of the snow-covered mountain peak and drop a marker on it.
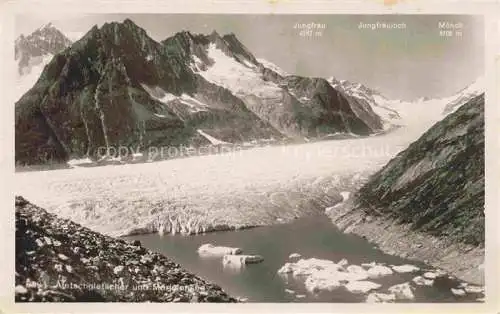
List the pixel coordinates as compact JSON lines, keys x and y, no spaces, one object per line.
{"x":49,"y":25}
{"x":478,"y":86}
{"x":34,"y":51}
{"x":354,"y":87}
{"x":472,"y":90}
{"x":273,"y":67}
{"x":44,"y":40}
{"x":381,"y":105}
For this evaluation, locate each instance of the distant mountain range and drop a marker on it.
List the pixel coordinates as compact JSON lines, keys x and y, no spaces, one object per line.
{"x":116,"y":86}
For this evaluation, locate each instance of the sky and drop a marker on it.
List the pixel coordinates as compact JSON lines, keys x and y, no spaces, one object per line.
{"x":409,"y":62}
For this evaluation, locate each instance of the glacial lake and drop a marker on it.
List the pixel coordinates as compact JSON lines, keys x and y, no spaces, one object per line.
{"x":312,"y":236}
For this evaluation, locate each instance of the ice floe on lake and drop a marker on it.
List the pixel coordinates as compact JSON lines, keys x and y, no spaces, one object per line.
{"x":379,"y":271}
{"x":217,"y":251}
{"x":473,"y":289}
{"x":421,"y":281}
{"x":326,"y":275}
{"x":403,"y":291}
{"x":241,"y":260}
{"x":458,"y":292}
{"x":435,"y":274}
{"x":376,"y":297}
{"x":405,"y":268}
{"x":361,"y":286}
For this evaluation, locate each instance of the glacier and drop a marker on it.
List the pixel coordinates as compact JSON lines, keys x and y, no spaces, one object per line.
{"x":230,"y":190}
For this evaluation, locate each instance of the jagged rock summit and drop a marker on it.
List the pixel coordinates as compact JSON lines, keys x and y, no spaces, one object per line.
{"x":46,"y":40}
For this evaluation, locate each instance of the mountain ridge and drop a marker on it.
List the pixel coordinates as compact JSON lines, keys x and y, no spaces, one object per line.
{"x":437,"y":161}
{"x":113,"y":69}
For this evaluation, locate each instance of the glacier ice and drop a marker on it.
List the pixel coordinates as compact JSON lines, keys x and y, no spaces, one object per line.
{"x":403,"y":291}
{"x":405,"y":268}
{"x":376,"y":297}
{"x":211,"y":192}
{"x":241,"y":259}
{"x":319,"y":274}
{"x":212,"y":250}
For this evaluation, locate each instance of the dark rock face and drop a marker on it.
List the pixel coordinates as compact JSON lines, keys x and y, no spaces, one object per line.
{"x":437,"y":184}
{"x":43,"y":41}
{"x":60,"y":261}
{"x":323,"y":109}
{"x":117,"y":87}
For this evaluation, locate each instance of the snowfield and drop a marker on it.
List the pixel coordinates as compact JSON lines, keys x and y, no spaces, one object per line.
{"x":240,"y":79}
{"x":260,"y":186}
{"x":210,"y":138}
{"x":30,"y":75}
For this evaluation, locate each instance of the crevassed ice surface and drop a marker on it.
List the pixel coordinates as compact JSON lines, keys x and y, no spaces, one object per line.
{"x":259,"y":186}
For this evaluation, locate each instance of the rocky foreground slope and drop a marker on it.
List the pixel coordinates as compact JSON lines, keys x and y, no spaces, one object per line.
{"x":428,"y":201}
{"x":58,"y":260}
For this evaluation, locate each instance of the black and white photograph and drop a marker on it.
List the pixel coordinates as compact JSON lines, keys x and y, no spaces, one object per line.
{"x":249,"y":158}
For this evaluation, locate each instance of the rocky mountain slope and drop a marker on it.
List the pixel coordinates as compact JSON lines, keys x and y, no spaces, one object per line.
{"x":118,"y":87}
{"x":428,"y":201}
{"x":58,"y":260}
{"x":437,"y":184}
{"x":368,"y":97}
